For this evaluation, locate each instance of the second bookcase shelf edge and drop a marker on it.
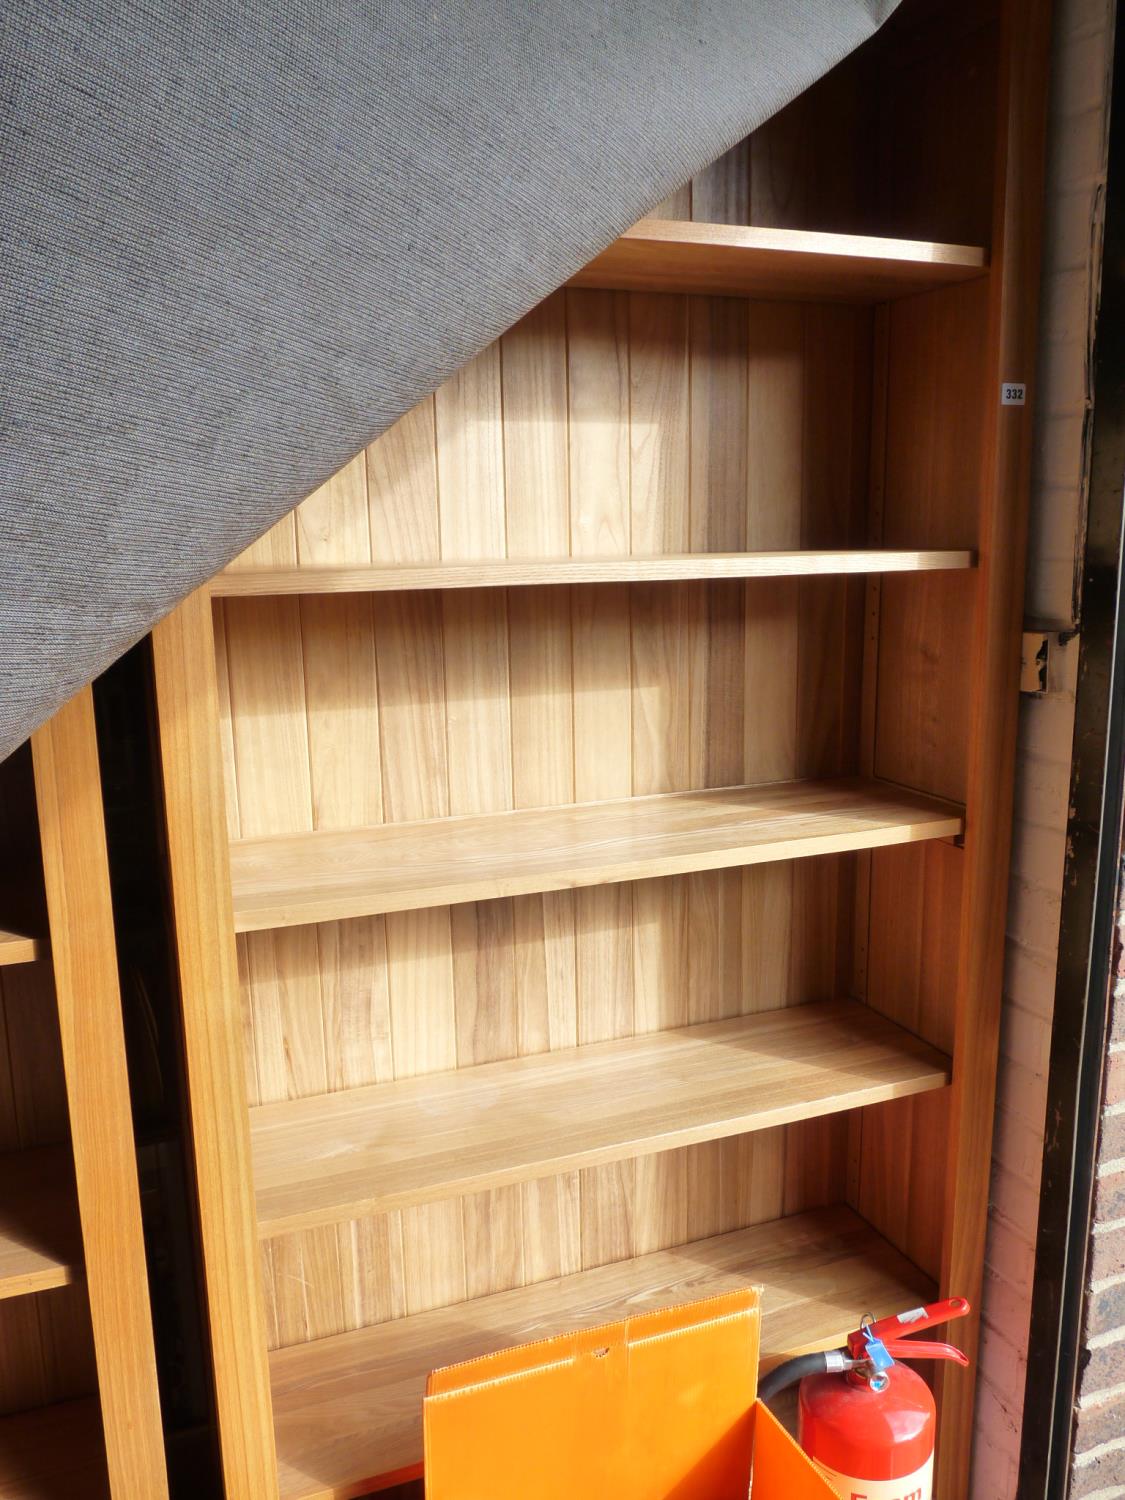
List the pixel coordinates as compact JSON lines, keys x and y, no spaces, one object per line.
{"x":369,"y":1150}
{"x":290,"y":880}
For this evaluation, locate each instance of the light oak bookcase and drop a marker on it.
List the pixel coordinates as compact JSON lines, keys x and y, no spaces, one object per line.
{"x":587,"y":814}
{"x":79,"y":1407}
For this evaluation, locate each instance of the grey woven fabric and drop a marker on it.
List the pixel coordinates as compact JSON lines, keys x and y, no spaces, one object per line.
{"x":239,"y":240}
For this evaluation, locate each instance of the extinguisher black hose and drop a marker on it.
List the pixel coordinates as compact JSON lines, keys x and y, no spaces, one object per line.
{"x":782,"y":1376}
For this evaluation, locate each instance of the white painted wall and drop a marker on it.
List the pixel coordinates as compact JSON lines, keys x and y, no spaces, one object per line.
{"x":1075,"y":182}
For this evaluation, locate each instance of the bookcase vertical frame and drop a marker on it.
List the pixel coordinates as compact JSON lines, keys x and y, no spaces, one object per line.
{"x":183,"y":648}
{"x":1005,"y":482}
{"x":84,"y":958}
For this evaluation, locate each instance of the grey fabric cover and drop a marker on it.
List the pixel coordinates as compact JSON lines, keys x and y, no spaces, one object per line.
{"x":240,"y":239}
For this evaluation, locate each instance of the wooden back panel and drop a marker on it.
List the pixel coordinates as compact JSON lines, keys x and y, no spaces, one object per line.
{"x":602,"y":423}
{"x":898,"y":139}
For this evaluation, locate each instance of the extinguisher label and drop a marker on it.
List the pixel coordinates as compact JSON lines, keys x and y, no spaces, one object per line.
{"x":916,"y":1486}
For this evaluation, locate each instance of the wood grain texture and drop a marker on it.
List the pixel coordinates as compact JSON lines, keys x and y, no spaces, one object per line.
{"x":659,"y":255}
{"x":349,"y":1409}
{"x":188,"y":708}
{"x":992,"y":727}
{"x":366,"y":1150}
{"x":84,"y":960}
{"x":55,"y":1453}
{"x":17,"y":949}
{"x":936,"y":350}
{"x":698,"y":479}
{"x":40,"y":1242}
{"x":515,"y":572}
{"x":284,"y":881}
{"x":720,"y":194}
{"x":584,"y":452}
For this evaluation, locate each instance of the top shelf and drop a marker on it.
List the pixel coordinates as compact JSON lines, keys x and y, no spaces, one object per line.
{"x":514,"y":572}
{"x":730,"y":260}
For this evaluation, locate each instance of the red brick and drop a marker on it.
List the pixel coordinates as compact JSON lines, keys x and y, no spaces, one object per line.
{"x":1112,"y":1146}
{"x":1105,"y":1310}
{"x":1117,"y":1011}
{"x":1115,"y":1078}
{"x":1109,"y":1199}
{"x":1094,"y":1425}
{"x":1104,"y":1473}
{"x":1107,"y":1255}
{"x":1105,"y":1367}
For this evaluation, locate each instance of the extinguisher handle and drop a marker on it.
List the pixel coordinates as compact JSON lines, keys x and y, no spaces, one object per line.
{"x":922,"y":1349}
{"x":891,"y":1330}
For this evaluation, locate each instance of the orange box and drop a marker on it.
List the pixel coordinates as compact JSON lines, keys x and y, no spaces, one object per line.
{"x":658,"y":1407}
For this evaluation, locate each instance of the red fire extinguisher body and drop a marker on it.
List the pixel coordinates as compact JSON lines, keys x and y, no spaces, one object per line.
{"x":871,"y":1444}
{"x":871,"y":1426}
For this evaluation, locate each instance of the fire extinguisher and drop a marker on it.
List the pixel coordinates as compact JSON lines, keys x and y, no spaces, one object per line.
{"x":866,"y":1421}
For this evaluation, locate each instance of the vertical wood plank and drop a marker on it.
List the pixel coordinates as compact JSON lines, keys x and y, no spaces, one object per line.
{"x":332,"y":524}
{"x":536,"y":436}
{"x":423,"y":1032}
{"x":598,"y":354}
{"x":720,"y":194}
{"x":226,"y":719}
{"x":660,"y":515}
{"x":719,"y":479}
{"x":775,"y":439}
{"x":411,"y":689}
{"x":24,"y":1378}
{"x":83,"y":956}
{"x":480,"y":780}
{"x":341,"y":710}
{"x":276,"y":547}
{"x":412,"y":710}
{"x":677,"y":205}
{"x":541,"y":681}
{"x":191,"y":763}
{"x":477,"y":716}
{"x":351,"y":1274}
{"x":669,"y":667}
{"x":720,"y":418}
{"x":471,"y":460}
{"x":598,"y":363}
{"x":402,"y":489}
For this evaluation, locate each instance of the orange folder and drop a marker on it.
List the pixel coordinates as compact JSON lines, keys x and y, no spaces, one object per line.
{"x":658,"y":1407}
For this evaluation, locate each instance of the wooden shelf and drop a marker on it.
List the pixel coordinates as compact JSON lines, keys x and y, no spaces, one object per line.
{"x":39,"y":1236}
{"x":17,"y":949}
{"x":54,"y":1453}
{"x":377,"y":578}
{"x":665,"y":255}
{"x":322,"y":877}
{"x":348,"y":1409}
{"x":367,"y":1150}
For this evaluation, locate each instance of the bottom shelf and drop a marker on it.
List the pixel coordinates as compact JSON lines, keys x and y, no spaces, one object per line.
{"x":349,"y":1409}
{"x":54,"y":1453}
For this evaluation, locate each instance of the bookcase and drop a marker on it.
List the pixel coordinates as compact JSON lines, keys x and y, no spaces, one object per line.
{"x":587,"y":814}
{"x":79,"y":1407}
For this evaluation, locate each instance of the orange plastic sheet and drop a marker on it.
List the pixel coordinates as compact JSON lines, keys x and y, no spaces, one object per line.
{"x":658,"y":1407}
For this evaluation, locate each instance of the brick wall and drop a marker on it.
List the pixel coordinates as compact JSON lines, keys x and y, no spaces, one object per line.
{"x":1075,"y":182}
{"x":1099,"y":1441}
